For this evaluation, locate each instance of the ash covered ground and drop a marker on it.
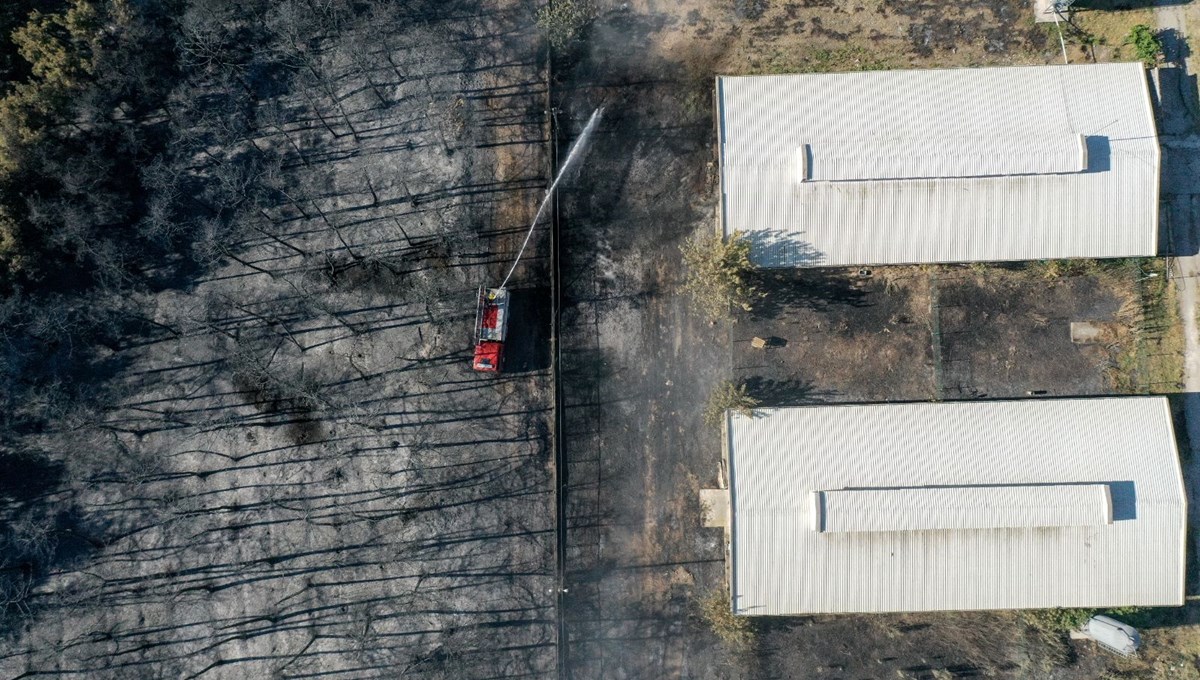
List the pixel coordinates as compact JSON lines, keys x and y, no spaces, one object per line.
{"x":291,"y":470}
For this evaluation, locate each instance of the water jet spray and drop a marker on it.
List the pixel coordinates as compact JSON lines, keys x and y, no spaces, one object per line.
{"x":491,"y":313}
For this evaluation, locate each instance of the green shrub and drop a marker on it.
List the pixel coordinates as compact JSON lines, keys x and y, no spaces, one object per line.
{"x":1057,"y":620}
{"x":562,"y":21}
{"x":1145,"y":43}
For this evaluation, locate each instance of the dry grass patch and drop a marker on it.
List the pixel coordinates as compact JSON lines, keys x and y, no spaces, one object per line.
{"x":715,"y":610}
{"x":838,"y":59}
{"x":1148,"y":351}
{"x":1105,"y":31}
{"x":1171,"y":653}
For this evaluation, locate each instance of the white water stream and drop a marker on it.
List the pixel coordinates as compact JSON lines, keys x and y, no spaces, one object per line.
{"x":576,"y":152}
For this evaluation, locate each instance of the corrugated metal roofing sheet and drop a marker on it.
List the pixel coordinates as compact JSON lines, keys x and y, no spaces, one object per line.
{"x":780,"y":456}
{"x":924,"y":121}
{"x":995,"y":506}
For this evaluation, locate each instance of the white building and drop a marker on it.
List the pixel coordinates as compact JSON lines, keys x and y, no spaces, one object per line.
{"x":955,"y":506}
{"x":957,"y":165}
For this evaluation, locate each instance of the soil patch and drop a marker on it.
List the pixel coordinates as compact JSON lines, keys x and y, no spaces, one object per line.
{"x":838,"y":336}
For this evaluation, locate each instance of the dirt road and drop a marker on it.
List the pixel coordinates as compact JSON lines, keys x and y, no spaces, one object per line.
{"x":1181,"y":202}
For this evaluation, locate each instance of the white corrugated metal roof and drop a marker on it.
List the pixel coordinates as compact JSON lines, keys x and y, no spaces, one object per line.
{"x":976,"y":165}
{"x":781,"y":456}
{"x":990,"y":506}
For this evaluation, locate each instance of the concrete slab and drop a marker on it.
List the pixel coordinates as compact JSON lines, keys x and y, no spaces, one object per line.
{"x":714,"y":506}
{"x":1085,"y":331}
{"x":1090,"y":332}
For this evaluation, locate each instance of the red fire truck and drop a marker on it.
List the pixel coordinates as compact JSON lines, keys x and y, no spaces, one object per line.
{"x":491,"y":323}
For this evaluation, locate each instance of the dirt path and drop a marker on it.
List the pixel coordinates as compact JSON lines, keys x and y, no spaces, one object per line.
{"x":1181,"y":199}
{"x":1186,"y":271}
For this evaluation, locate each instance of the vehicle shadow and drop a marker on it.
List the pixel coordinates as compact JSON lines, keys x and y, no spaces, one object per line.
{"x":527,"y":347}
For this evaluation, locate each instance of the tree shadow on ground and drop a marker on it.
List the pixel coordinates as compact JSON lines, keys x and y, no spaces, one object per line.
{"x":1175,"y":97}
{"x":1176,"y":49}
{"x":789,"y":392}
{"x":26,"y":476}
{"x":812,"y":288}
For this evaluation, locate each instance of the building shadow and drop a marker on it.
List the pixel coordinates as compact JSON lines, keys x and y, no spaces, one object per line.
{"x":789,"y":392}
{"x":786,"y":289}
{"x":1177,"y":109}
{"x":1176,"y":95}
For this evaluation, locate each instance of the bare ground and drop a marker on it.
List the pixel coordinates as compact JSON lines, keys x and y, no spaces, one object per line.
{"x":836,"y":336}
{"x":1006,"y":333}
{"x":914,"y":333}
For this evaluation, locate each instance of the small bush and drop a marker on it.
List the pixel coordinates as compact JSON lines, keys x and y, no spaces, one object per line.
{"x":1056,"y":269}
{"x":1057,"y":621}
{"x":719,"y":274}
{"x":728,"y":396}
{"x":1145,"y":43}
{"x":735,"y":631}
{"x":1059,"y":269}
{"x":562,"y":21}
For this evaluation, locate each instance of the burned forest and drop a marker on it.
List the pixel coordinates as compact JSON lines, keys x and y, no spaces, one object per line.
{"x":241,"y":436}
{"x":400,"y":338}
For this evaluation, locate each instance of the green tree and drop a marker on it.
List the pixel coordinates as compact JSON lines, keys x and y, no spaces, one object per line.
{"x":13,"y":15}
{"x":719,"y":274}
{"x":61,"y":50}
{"x":12,"y":258}
{"x":59,"y":47}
